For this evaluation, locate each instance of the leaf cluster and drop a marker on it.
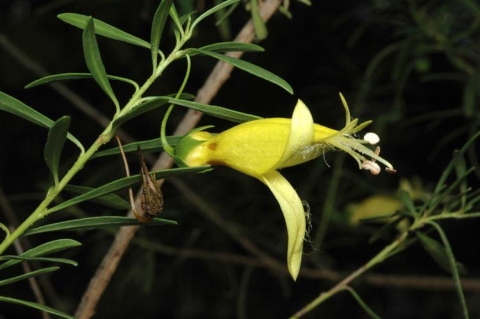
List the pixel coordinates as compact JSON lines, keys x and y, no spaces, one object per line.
{"x":58,"y":131}
{"x":451,"y":198}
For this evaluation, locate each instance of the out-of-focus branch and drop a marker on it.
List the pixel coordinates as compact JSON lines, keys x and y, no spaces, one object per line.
{"x":36,"y":68}
{"x":426,"y":283}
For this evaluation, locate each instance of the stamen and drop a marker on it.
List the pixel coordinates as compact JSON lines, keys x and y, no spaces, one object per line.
{"x":371,"y":166}
{"x":371,"y":138}
{"x":390,"y":170}
{"x":346,"y":141}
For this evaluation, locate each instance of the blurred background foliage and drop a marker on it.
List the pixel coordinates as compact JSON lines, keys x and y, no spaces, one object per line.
{"x":413,"y":67}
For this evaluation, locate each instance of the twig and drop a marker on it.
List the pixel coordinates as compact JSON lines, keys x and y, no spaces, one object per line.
{"x":127,"y":172}
{"x":109,"y":264}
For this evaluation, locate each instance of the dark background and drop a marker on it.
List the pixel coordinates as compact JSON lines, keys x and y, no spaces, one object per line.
{"x":410,"y":66}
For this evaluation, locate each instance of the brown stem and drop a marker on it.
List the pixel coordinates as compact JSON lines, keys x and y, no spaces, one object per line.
{"x":217,"y":77}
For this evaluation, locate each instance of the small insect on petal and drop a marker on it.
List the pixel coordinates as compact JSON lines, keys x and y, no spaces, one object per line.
{"x":371,"y":138}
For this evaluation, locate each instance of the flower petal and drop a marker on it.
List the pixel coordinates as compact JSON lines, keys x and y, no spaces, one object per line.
{"x":300,"y":136}
{"x":294,"y":215}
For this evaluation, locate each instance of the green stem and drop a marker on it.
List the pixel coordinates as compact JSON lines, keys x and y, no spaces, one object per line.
{"x":380,"y":257}
{"x":42,"y":210}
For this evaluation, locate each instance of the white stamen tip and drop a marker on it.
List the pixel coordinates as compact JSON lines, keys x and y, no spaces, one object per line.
{"x":373,"y":167}
{"x":391,"y":170}
{"x":371,"y":138}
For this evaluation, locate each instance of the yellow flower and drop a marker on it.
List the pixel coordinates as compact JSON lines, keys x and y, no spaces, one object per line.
{"x":379,"y":205}
{"x":261,"y":147}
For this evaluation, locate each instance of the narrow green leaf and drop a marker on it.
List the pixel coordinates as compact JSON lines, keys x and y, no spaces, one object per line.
{"x":260,"y":27}
{"x":40,"y":259}
{"x":149,"y":145}
{"x":110,"y":200}
{"x":403,"y":246}
{"x":470,"y":96}
{"x":362,"y":303}
{"x":101,"y":222}
{"x":453,"y":267}
{"x":408,"y":202}
{"x":14,"y":106}
{"x":438,"y":253}
{"x":461,"y":170}
{"x":469,"y":143}
{"x":148,"y":104}
{"x":439,"y":198}
{"x":125,"y":183}
{"x":57,"y":135}
{"x":75,"y":76}
{"x":223,"y":47}
{"x":472,"y":199}
{"x":386,"y":229}
{"x":212,"y":11}
{"x":284,"y":10}
{"x":473,"y":7}
{"x":103,"y":29}
{"x":248,"y":67}
{"x":94,"y":61}
{"x":158,"y":24}
{"x":5,"y":230}
{"x":222,"y":20}
{"x":186,"y":19}
{"x":27,"y":275}
{"x":45,"y":249}
{"x":176,"y":20}
{"x":35,"y":306}
{"x":163,"y":135}
{"x":216,"y":111}
{"x":446,"y":172}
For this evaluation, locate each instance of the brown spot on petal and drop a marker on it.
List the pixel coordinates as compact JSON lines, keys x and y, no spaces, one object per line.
{"x":212,"y":146}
